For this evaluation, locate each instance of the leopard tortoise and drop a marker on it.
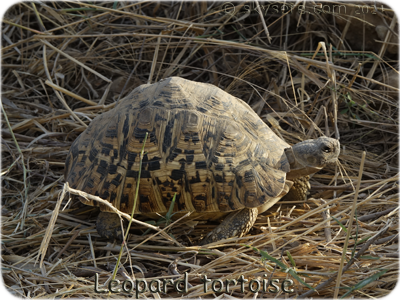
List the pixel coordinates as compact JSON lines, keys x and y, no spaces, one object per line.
{"x":205,"y":145}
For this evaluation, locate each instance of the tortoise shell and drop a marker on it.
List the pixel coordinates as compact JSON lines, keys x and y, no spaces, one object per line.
{"x":205,"y":145}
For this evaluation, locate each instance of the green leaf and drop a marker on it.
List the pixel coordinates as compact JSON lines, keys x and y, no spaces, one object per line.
{"x":290,"y":258}
{"x":115,"y":4}
{"x":265,"y":255}
{"x":340,"y":224}
{"x":363,"y":240}
{"x":171,"y":208}
{"x":67,"y":10}
{"x":164,"y":220}
{"x":365,"y":282}
{"x":294,"y":274}
{"x":151,"y":222}
{"x":370,"y":257}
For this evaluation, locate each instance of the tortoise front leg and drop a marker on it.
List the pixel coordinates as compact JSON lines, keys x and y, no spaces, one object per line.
{"x":237,"y":223}
{"x":299,"y":190}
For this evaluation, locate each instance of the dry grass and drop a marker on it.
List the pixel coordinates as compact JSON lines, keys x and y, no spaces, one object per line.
{"x":64,"y":63}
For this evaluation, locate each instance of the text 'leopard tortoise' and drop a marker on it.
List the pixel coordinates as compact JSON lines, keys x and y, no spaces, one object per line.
{"x":205,"y":145}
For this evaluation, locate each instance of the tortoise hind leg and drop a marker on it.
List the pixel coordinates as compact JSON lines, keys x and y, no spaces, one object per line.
{"x":108,"y":225}
{"x":237,"y":223}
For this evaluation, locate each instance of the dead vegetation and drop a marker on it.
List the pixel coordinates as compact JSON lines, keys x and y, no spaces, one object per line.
{"x":64,"y":63}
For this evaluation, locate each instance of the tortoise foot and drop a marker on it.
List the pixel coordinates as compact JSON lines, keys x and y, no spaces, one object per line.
{"x":108,"y":225}
{"x":237,"y":223}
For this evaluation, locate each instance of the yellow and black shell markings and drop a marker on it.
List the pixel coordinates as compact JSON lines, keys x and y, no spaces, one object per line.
{"x":204,"y":144}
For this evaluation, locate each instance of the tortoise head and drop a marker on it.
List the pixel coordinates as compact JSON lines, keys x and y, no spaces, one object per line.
{"x":310,"y":156}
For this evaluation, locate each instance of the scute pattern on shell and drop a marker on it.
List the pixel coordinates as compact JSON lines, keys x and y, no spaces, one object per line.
{"x":204,"y":144}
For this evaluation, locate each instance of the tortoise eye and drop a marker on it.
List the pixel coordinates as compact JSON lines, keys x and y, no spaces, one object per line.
{"x":326,"y":149}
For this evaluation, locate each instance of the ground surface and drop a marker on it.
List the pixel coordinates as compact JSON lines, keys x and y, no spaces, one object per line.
{"x":305,"y":70}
